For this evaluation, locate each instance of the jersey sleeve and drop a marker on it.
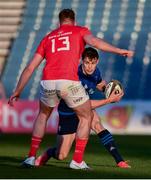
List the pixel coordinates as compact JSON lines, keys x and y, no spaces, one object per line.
{"x":99,"y":79}
{"x":41,"y":47}
{"x":85,"y":31}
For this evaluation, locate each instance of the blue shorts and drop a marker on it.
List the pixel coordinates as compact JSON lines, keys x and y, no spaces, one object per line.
{"x":67,"y":124}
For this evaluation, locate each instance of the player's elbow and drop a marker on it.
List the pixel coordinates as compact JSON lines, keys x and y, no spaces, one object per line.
{"x":94,"y":42}
{"x":98,"y":43}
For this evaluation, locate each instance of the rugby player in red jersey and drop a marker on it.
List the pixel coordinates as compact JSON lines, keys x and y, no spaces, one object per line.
{"x":62,"y":50}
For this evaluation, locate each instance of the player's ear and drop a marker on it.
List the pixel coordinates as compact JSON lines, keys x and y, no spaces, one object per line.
{"x":97,"y":61}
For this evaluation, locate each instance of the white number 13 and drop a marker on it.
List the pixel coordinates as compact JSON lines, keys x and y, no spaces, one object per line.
{"x":65,"y":44}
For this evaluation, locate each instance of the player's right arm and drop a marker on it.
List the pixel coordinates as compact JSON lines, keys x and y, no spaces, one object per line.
{"x":25,"y":76}
{"x":104,"y":46}
{"x":112,"y":98}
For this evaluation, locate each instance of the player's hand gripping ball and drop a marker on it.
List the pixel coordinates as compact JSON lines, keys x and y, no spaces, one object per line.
{"x":114,"y":85}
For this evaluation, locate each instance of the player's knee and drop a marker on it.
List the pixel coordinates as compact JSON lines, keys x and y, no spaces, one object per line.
{"x":93,"y":124}
{"x":96,"y":126}
{"x":62,"y":156}
{"x":45,"y":110}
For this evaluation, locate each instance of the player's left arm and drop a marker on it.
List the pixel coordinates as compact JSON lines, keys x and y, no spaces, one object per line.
{"x":112,"y":98}
{"x":104,"y":46}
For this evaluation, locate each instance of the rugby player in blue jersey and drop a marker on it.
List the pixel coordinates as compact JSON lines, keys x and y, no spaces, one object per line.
{"x":91,"y":79}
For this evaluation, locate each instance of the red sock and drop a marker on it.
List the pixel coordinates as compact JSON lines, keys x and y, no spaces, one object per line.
{"x":35,"y":142}
{"x":79,"y":150}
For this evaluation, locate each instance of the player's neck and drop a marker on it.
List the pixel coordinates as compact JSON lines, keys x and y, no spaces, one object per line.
{"x":67,"y":22}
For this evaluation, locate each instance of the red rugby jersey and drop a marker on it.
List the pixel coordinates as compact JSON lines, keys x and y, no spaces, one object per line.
{"x":62,"y":49}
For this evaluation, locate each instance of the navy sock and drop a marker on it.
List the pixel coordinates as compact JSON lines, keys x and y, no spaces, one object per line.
{"x":107,"y":140}
{"x":51,"y":152}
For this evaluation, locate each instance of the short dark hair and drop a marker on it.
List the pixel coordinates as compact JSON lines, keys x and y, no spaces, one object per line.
{"x":66,"y":13}
{"x":90,"y":52}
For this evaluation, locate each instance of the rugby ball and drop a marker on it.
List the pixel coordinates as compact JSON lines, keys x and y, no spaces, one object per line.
{"x":111,"y":86}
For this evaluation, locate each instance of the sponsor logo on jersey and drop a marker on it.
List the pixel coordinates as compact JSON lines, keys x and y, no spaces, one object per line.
{"x":78,"y":100}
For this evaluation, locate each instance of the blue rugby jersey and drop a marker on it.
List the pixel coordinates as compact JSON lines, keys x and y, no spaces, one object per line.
{"x":89,"y":82}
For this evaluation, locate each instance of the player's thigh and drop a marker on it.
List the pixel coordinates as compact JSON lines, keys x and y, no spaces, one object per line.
{"x":84,"y":110}
{"x":48,"y":93}
{"x":72,"y":92}
{"x":67,"y":124}
{"x":64,"y":143}
{"x":96,"y":124}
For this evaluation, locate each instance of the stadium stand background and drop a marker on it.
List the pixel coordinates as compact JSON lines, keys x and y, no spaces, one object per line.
{"x":10,"y":19}
{"x":124,"y":23}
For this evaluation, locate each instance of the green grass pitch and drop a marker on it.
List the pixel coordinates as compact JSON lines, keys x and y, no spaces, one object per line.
{"x":136,"y":149}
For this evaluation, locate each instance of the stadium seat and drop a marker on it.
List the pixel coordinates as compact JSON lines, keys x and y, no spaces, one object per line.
{"x":10,"y":19}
